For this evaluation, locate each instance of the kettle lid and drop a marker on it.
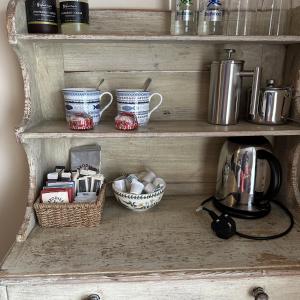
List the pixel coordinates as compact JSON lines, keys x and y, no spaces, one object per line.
{"x":271,"y":85}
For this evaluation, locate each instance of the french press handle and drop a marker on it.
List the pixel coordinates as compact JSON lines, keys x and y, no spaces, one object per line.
{"x":255,"y":90}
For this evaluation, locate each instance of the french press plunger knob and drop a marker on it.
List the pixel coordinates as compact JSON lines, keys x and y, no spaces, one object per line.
{"x":230,"y":52}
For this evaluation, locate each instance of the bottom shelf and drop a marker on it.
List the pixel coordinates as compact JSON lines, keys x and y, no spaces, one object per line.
{"x":170,"y":238}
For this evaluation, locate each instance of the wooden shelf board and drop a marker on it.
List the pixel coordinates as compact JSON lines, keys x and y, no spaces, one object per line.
{"x":169,"y":239}
{"x":158,"y":38}
{"x":59,"y":129}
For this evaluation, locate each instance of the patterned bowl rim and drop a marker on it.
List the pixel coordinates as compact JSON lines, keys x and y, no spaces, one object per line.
{"x":142,"y":196}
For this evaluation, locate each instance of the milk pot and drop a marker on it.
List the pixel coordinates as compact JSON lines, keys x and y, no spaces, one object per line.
{"x":272,"y":106}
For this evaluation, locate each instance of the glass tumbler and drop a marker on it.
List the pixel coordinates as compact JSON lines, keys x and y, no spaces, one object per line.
{"x":274,"y":17}
{"x":241,"y":16}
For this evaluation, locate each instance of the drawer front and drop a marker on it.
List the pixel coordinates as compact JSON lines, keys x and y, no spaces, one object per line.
{"x":278,"y":288}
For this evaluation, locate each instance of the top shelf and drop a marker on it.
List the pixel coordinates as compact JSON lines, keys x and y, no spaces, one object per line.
{"x":132,"y":25}
{"x":159,"y":38}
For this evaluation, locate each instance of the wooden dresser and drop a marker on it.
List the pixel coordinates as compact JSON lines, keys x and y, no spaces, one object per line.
{"x":170,"y":251}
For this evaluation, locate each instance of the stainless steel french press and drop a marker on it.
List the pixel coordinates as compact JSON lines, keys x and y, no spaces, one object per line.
{"x":225,"y":89}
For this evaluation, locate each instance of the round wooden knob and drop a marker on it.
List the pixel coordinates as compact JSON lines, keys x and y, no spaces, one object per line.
{"x":94,"y":297}
{"x":260,"y":294}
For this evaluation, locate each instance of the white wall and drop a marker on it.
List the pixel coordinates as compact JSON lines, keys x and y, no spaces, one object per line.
{"x":13,"y":165}
{"x":13,"y":168}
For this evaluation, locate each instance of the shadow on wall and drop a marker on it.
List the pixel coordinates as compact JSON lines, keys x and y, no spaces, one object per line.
{"x":13,"y":175}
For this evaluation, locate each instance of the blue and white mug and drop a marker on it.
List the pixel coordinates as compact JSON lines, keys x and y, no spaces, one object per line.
{"x":85,"y":100}
{"x":137,"y":102}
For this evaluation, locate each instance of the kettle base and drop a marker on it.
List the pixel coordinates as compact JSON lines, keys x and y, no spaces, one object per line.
{"x":261,"y":212}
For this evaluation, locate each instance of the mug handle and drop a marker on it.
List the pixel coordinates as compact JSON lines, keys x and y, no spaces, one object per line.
{"x":109,"y":104}
{"x":157,"y":106}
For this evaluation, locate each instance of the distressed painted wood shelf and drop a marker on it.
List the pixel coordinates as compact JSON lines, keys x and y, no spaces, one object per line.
{"x":171,"y":240}
{"x":59,"y":129}
{"x":169,"y":250}
{"x":93,"y":38}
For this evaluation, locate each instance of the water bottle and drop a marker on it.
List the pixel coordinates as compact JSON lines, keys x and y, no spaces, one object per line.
{"x":184,"y":17}
{"x":211,"y":15}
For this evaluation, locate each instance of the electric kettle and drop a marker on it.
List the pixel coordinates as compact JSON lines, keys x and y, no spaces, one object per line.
{"x":249,"y":176}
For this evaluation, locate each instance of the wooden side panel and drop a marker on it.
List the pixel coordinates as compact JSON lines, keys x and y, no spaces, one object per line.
{"x":16,"y":19}
{"x":192,"y":162}
{"x":277,"y":288}
{"x":290,"y":147}
{"x":287,"y":150}
{"x":295,"y":21}
{"x":34,"y":150}
{"x":292,"y":77}
{"x":32,"y":104}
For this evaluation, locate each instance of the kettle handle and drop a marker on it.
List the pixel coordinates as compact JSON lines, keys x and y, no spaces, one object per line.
{"x":276,"y":173}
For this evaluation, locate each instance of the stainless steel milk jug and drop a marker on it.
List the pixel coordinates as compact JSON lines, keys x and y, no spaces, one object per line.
{"x":226,"y":87}
{"x":272,"y":106}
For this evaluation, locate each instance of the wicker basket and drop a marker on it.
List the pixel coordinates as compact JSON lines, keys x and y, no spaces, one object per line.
{"x":70,"y":214}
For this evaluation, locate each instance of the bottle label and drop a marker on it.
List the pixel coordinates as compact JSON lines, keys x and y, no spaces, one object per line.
{"x":214,"y":15}
{"x":185,"y":15}
{"x":74,"y":12}
{"x":41,"y":12}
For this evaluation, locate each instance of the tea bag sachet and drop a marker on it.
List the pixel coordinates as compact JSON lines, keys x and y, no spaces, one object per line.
{"x":86,"y":157}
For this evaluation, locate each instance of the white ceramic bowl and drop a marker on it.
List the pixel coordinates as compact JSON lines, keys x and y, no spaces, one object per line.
{"x":139,"y":203}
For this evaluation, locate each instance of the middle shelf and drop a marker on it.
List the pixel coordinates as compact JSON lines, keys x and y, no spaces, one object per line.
{"x":60,"y":129}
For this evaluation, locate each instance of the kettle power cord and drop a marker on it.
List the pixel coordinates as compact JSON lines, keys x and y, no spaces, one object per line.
{"x":224,"y":226}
